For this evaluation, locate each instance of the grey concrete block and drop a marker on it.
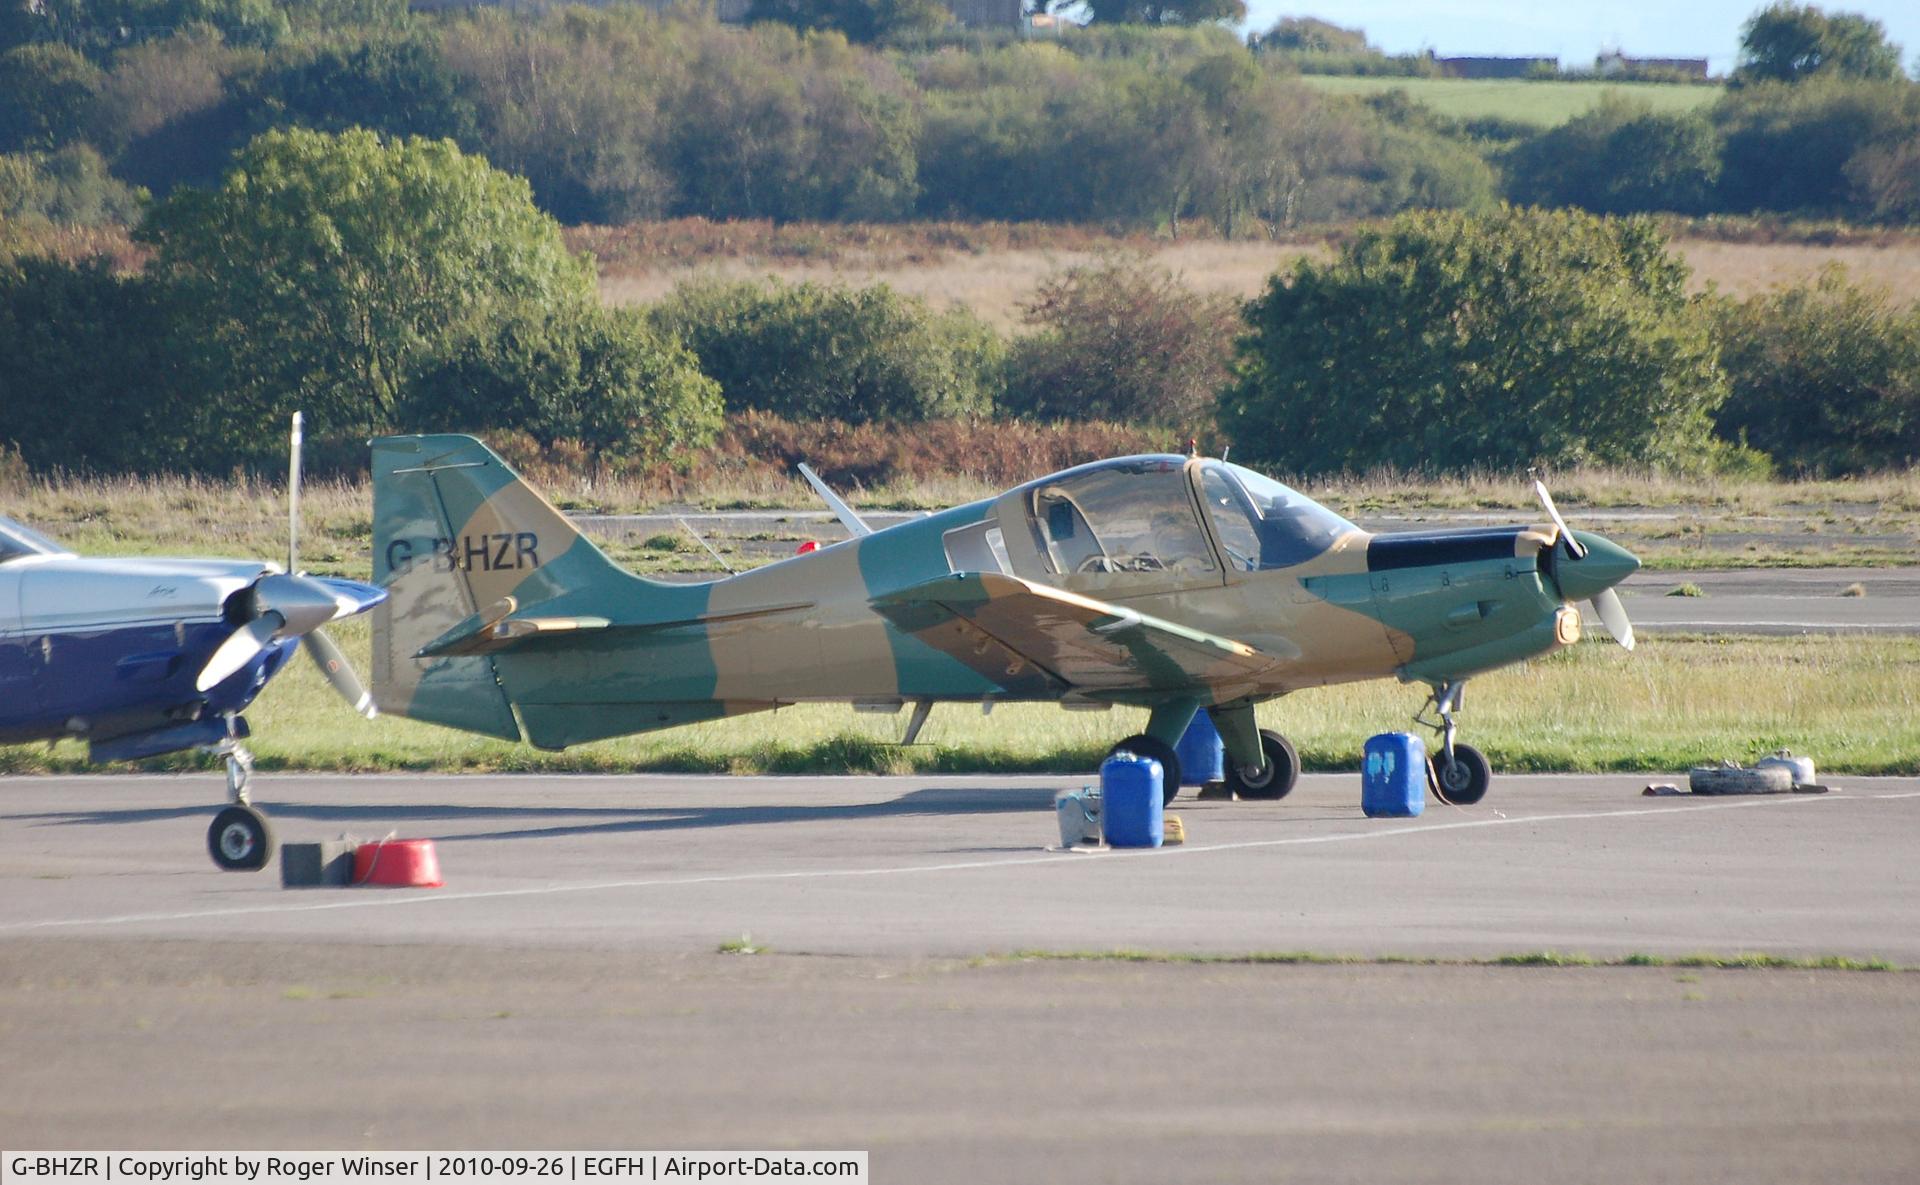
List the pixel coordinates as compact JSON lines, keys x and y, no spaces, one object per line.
{"x":316,"y":865}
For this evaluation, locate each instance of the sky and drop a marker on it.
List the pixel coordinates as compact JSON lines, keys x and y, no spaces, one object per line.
{"x":1575,"y":33}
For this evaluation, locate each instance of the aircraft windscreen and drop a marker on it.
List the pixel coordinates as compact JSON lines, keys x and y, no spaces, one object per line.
{"x":17,"y":541}
{"x":1264,"y":524}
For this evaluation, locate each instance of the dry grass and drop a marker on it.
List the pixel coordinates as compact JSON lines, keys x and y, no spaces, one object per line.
{"x":994,"y":283}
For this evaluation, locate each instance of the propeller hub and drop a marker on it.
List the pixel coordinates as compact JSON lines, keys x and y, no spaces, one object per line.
{"x":1604,"y":565}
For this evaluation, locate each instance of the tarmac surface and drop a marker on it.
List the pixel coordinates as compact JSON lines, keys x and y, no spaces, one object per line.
{"x":1774,"y":601}
{"x":566,"y":988}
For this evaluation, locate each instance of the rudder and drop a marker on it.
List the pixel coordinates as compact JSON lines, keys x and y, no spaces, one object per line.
{"x":456,"y":533}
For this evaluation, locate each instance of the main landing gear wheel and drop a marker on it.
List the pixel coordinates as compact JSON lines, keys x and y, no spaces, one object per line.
{"x":1276,"y":779}
{"x":1145,"y":746}
{"x":1464,"y":780}
{"x":240,"y":840}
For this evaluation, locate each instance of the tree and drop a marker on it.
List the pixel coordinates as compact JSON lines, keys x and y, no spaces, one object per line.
{"x":1825,"y":376}
{"x":1792,"y":148}
{"x":1448,"y":342}
{"x":96,"y":374}
{"x":1621,"y":157}
{"x":861,"y":21}
{"x":1166,"y":12}
{"x":1788,"y":42}
{"x":398,"y":86}
{"x":1122,"y":340}
{"x":807,"y":351}
{"x":47,"y":96}
{"x":1298,"y":34}
{"x":327,"y":269}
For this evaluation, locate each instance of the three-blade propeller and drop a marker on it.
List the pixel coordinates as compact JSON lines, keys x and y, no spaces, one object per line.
{"x":290,"y":604}
{"x":1605,"y":601}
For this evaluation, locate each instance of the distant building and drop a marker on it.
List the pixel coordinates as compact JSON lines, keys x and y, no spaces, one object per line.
{"x":1609,"y":64}
{"x":1497,"y":67}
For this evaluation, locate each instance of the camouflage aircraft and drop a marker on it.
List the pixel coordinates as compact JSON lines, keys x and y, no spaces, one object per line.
{"x":1170,"y":583}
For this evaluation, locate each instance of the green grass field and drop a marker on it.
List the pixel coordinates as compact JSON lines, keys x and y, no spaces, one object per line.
{"x":1852,"y":703}
{"x":1547,"y":104}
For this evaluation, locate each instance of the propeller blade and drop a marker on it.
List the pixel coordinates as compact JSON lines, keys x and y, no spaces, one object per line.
{"x":240,"y":648}
{"x":293,"y":493}
{"x":1613,"y":615}
{"x":335,"y":667}
{"x":1575,"y":548}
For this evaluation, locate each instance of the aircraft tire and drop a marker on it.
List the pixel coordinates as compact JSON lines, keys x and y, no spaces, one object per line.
{"x":1282,"y":771}
{"x":1142,"y":745}
{"x":240,"y":840}
{"x":1464,"y":782}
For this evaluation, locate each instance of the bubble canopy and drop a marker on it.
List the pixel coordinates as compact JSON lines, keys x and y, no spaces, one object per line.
{"x":1135,"y":514}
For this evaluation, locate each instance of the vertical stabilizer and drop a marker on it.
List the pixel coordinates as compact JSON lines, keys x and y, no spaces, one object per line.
{"x":459,"y":538}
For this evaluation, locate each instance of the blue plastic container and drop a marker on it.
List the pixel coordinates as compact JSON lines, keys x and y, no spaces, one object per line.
{"x":1393,"y":782}
{"x":1202,"y":757}
{"x":1132,"y":809}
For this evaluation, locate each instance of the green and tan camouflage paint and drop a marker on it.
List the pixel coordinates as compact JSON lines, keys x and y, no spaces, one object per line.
{"x":503,"y":619}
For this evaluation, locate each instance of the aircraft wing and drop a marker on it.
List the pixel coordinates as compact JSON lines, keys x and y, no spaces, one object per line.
{"x":1016,"y":632}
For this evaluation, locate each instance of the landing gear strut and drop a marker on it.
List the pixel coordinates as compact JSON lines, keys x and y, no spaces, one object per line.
{"x":1458,"y":773}
{"x":1260,"y":764}
{"x":240,"y":839}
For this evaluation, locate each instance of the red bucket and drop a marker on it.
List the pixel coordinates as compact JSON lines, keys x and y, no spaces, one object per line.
{"x":397,"y":863}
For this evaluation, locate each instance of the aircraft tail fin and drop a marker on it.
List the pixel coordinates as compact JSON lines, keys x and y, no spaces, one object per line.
{"x":459,"y":541}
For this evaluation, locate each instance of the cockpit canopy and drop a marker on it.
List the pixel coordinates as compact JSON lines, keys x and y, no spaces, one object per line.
{"x":1263,"y":524}
{"x":17,"y":542}
{"x":1137,"y":514}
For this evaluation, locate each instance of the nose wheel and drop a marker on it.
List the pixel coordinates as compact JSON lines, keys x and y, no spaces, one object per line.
{"x":240,"y":839}
{"x":1459,"y":773}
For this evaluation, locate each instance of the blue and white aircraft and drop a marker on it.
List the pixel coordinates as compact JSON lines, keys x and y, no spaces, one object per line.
{"x":140,"y":657}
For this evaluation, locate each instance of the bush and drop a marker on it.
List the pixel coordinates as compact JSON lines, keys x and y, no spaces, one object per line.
{"x":70,"y":187}
{"x":1622,"y":157}
{"x":601,"y":377}
{"x":1825,"y":377}
{"x":809,"y":351}
{"x":1122,"y":340}
{"x":96,"y":374}
{"x":1789,"y":147}
{"x":47,"y":96}
{"x":1448,"y":342}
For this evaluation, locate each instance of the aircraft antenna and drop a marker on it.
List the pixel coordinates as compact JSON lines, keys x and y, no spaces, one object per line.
{"x":697,"y":538}
{"x":854,"y":524}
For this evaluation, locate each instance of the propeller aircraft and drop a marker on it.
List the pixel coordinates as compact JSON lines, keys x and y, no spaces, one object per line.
{"x":140,"y":657}
{"x":1175,"y":584}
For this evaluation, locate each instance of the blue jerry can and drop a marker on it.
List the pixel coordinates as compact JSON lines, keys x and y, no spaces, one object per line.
{"x":1393,"y":783}
{"x":1202,"y":758}
{"x":1132,"y":807}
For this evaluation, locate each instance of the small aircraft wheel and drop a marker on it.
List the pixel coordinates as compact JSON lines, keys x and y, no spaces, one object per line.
{"x":1465,"y":781}
{"x":1276,"y":780}
{"x":1145,"y":746}
{"x":240,"y":840}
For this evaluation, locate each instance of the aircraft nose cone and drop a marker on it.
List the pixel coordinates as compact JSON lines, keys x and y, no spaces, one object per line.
{"x":1605,"y":565}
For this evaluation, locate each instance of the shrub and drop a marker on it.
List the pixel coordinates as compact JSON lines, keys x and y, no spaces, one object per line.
{"x":601,"y":377}
{"x":810,"y":351}
{"x":1622,"y":157}
{"x":47,"y":96}
{"x":1122,"y":340}
{"x":1447,"y":342}
{"x":1825,"y":376}
{"x":71,"y":187}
